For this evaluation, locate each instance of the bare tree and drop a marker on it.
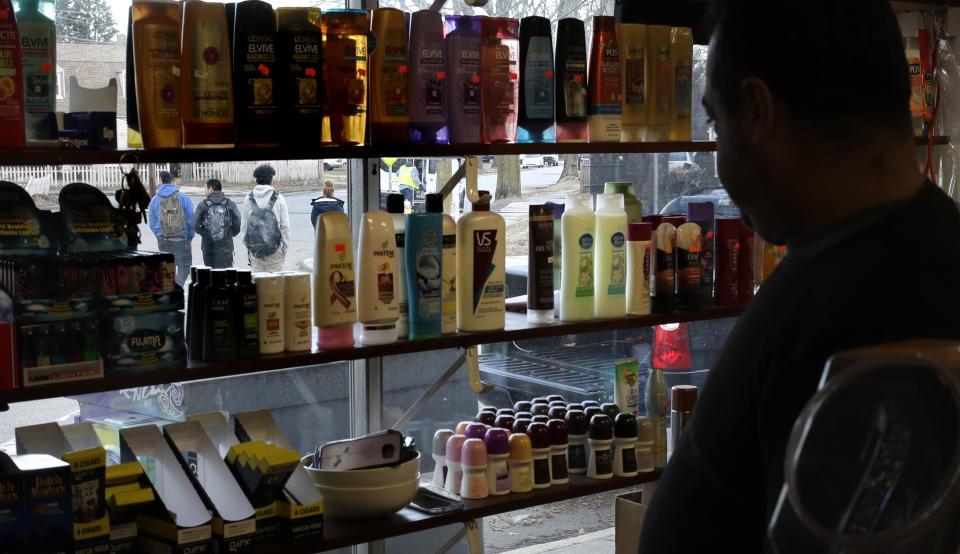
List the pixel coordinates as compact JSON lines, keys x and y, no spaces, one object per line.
{"x":571,"y":171}
{"x":508,"y":179}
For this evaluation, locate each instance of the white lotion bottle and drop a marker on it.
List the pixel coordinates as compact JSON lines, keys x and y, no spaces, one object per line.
{"x":481,"y":276}
{"x":639,"y":248}
{"x":334,"y":298}
{"x":448,"y":318}
{"x":610,"y":261}
{"x":577,"y":228}
{"x":297,"y":329}
{"x":270,"y":312}
{"x":395,"y":208}
{"x":378,"y":302}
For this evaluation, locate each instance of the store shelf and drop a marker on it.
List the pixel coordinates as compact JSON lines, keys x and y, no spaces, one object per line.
{"x":516,"y":328}
{"x":339,"y":533}
{"x":62,"y":157}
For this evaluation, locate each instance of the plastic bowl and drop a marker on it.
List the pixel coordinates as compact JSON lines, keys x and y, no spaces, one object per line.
{"x":367,"y":502}
{"x":362,"y":478}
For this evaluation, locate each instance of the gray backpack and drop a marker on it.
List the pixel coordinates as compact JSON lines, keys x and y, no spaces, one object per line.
{"x":216,"y":220}
{"x":173,"y":222}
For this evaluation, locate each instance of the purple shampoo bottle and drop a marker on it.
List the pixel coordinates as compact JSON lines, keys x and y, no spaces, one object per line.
{"x":462,"y":51}
{"x":428,"y":95}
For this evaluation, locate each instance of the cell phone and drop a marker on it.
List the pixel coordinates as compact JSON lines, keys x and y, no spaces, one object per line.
{"x":432,"y":500}
{"x":373,"y":450}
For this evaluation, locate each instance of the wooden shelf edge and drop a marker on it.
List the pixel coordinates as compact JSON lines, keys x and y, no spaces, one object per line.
{"x":516,"y":328}
{"x":340,"y":533}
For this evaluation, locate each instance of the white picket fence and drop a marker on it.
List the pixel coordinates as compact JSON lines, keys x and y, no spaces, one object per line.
{"x":43,"y":179}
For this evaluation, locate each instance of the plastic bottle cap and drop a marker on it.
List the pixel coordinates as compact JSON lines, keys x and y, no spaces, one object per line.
{"x":496,"y":441}
{"x":486,"y":418}
{"x":491,"y":409}
{"x":520,"y":447}
{"x":541,"y":418}
{"x":728,"y":226}
{"x":522,"y":406}
{"x":506,"y":411}
{"x":434,"y":203}
{"x":540,"y":210}
{"x":591,"y":411}
{"x":683,"y":397}
{"x":639,"y":231}
{"x":554,"y":398}
{"x":473,"y":453}
{"x":540,"y":409}
{"x":520,"y":425}
{"x":476,"y":430}
{"x":555,"y":403}
{"x":395,"y":203}
{"x":462,"y":427}
{"x":244,"y":277}
{"x":654,"y":220}
{"x":601,"y":427}
{"x":675,"y":220}
{"x":539,"y":435}
{"x":218,"y":277}
{"x":541,"y":400}
{"x":440,"y":438}
{"x":504,"y":421}
{"x":578,"y":202}
{"x":329,"y":338}
{"x":612,"y":202}
{"x":558,"y":431}
{"x":587,"y":403}
{"x":577,"y":422}
{"x":700,"y":211}
{"x":454,"y":445}
{"x":557,"y":412}
{"x":625,"y":426}
{"x":610,"y":409}
{"x":482,"y":205}
{"x":378,"y":333}
{"x":523,"y":415}
{"x":574,"y":406}
{"x":644,"y":429}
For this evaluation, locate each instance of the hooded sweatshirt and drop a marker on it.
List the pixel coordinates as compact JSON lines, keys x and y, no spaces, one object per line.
{"x":262,"y":194}
{"x":207,"y":243}
{"x":153,"y":213}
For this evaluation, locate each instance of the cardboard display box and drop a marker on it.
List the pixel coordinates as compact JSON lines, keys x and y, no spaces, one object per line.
{"x":36,"y":505}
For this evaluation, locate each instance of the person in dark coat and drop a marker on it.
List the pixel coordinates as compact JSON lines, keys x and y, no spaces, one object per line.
{"x":217,"y":221}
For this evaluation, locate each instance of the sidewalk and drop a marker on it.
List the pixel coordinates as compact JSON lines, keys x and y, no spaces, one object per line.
{"x":598,"y":542}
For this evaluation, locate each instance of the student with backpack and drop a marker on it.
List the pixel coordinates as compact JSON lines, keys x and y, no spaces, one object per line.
{"x":171,"y":220}
{"x":217,"y":221}
{"x":266,"y":223}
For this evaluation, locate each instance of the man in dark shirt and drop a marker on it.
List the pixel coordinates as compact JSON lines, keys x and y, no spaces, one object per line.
{"x":814,"y":144}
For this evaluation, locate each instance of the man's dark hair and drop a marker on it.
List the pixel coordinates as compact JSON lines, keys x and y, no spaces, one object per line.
{"x":263,"y":174}
{"x":838,"y":64}
{"x":214,"y":184}
{"x":166,"y":177}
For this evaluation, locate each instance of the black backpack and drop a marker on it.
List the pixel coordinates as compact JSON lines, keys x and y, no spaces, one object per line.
{"x":263,"y":230}
{"x":217,"y":219}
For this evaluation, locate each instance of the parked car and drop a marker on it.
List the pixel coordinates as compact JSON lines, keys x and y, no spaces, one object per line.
{"x":334,"y":163}
{"x":551,"y":160}
{"x":723,"y":206}
{"x":531,"y":160}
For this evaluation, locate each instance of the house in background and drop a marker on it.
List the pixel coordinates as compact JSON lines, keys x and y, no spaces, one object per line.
{"x":94,"y":64}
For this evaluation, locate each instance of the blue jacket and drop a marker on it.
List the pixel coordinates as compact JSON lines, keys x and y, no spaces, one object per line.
{"x":153,"y":213}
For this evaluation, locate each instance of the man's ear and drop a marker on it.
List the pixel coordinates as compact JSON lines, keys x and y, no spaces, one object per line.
{"x":759,"y":110}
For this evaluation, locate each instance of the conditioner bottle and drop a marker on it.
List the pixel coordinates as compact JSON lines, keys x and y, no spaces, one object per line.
{"x":346,"y":63}
{"x":389,"y":105}
{"x":206,"y":104}
{"x":603,"y":86}
{"x":270,"y":312}
{"x":481,"y":287}
{"x":378,"y":302}
{"x":578,"y":226}
{"x":156,"y":63}
{"x":449,"y":293}
{"x":300,"y":79}
{"x":334,"y":298}
{"x":535,"y":120}
{"x":499,"y":66}
{"x":428,"y":94}
{"x":255,"y":73}
{"x":659,"y":83}
{"x":38,"y":41}
{"x":632,"y":46}
{"x":462,"y":53}
{"x":681,"y":100}
{"x":298,"y":331}
{"x":571,"y":81}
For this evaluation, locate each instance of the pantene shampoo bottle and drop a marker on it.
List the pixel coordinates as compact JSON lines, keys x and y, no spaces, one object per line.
{"x":571,"y":81}
{"x":632,"y":45}
{"x":300,"y":79}
{"x":38,"y":50}
{"x":535,"y":120}
{"x":389,"y":99}
{"x":255,"y":74}
{"x":659,"y":83}
{"x":500,"y":78}
{"x":578,"y":226}
{"x":603,"y":82}
{"x":156,"y":63}
{"x":610,"y":262}
{"x":346,"y":62}
{"x":462,"y":53}
{"x":481,"y":279}
{"x":206,"y":105}
{"x":449,"y":292}
{"x":334,"y":299}
{"x":681,"y":101}
{"x":378,"y":301}
{"x":428,"y":70}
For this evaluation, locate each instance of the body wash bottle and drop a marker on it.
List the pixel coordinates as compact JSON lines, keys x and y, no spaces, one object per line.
{"x":38,"y":40}
{"x":535,"y":120}
{"x":610,"y":263}
{"x":300,"y":83}
{"x":378,"y":300}
{"x":499,"y":66}
{"x":481,"y":277}
{"x":632,"y":45}
{"x":156,"y":62}
{"x":334,"y":301}
{"x":206,"y":102}
{"x":571,"y":81}
{"x":255,"y":73}
{"x":389,"y":104}
{"x":423,"y":253}
{"x":681,"y":99}
{"x":578,"y":226}
{"x":449,"y":293}
{"x":603,"y":82}
{"x":428,"y":70}
{"x":219,"y":320}
{"x":346,"y":63}
{"x":462,"y":53}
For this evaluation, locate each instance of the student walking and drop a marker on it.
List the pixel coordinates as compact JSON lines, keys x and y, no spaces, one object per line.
{"x":171,"y":219}
{"x":326,"y":203}
{"x":217,"y":221}
{"x":266,"y":223}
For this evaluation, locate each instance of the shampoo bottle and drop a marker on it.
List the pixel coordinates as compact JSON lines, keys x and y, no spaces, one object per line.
{"x":156,"y":62}
{"x":449,"y":293}
{"x":334,"y":301}
{"x":571,"y":81}
{"x":638,"y":268}
{"x":395,"y":208}
{"x":423,"y":258}
{"x":270,"y":312}
{"x":38,"y":41}
{"x":428,"y":70}
{"x":610,"y":263}
{"x":206,"y":104}
{"x":603,"y":82}
{"x":378,"y":300}
{"x":535,"y":120}
{"x":689,"y":249}
{"x":11,"y":104}
{"x":481,"y":277}
{"x":540,"y":260}
{"x":578,"y":226}
{"x":298,"y":331}
{"x":255,"y":73}
{"x":632,"y":42}
{"x":346,"y":62}
{"x":248,"y":325}
{"x":659,"y":84}
{"x":681,"y":100}
{"x":462,"y":54}
{"x":389,"y":104}
{"x":219,"y":320}
{"x":499,"y":66}
{"x":300,"y":79}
